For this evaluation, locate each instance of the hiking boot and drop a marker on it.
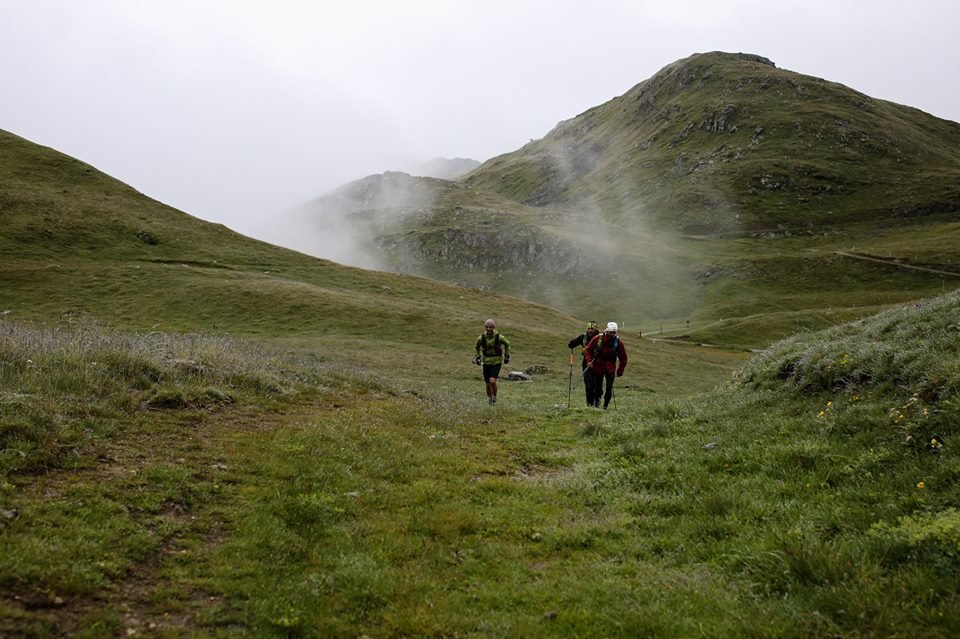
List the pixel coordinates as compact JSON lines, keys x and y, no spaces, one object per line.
{"x":493,"y":401}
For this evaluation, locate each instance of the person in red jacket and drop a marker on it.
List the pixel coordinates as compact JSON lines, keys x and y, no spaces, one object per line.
{"x":606,"y":357}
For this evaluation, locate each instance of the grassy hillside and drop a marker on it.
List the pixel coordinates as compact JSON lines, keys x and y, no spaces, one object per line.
{"x":76,"y":241}
{"x":720,"y":190}
{"x":198,"y":486}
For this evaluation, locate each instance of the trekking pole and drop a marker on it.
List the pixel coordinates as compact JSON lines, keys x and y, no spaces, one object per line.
{"x":570,"y":383}
{"x":580,"y":379}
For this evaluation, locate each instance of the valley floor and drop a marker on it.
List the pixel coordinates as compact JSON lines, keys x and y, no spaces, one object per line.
{"x":386,"y":513}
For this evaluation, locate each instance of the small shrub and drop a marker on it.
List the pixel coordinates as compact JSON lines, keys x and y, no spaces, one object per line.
{"x":168,"y":398}
{"x":255,"y":383}
{"x":130,"y":366}
{"x":179,"y":398}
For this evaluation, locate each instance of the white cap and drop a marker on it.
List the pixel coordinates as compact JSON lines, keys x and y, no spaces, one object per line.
{"x":611,"y":327}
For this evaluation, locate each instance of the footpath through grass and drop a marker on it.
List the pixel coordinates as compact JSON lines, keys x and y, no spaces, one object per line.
{"x":377,"y":517}
{"x":814,"y":495}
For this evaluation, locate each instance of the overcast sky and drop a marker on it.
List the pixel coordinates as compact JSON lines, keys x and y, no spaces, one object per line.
{"x":232,"y":110}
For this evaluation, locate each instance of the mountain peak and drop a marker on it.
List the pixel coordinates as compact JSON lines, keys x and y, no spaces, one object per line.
{"x":728,"y":142}
{"x":723,"y":55}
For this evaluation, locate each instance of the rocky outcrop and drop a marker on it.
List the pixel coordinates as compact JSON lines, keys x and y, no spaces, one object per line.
{"x":484,"y":247}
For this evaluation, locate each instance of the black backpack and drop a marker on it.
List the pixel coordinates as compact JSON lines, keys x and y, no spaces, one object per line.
{"x":496,"y":344}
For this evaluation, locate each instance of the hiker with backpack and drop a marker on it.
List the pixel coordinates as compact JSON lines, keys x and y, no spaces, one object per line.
{"x":493,"y":350}
{"x":606,"y":358}
{"x":582,"y":340}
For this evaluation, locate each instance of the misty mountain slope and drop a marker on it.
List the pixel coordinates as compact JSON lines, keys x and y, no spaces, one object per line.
{"x":728,"y":142}
{"x":76,"y":241}
{"x":456,"y":233}
{"x":724,"y":197}
{"x":353,"y":223}
{"x":444,"y":168}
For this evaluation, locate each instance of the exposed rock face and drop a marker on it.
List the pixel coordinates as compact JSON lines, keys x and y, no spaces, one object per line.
{"x":147,"y":238}
{"x":390,"y":190}
{"x":414,"y":225}
{"x":485,"y":247}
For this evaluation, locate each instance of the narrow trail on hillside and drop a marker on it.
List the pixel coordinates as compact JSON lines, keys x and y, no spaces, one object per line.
{"x":894,"y":262}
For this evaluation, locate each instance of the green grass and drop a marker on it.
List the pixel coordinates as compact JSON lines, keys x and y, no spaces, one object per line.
{"x":172,"y":471}
{"x":812,"y":494}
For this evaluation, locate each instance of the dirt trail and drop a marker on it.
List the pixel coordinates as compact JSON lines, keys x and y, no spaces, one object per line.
{"x":894,"y":262}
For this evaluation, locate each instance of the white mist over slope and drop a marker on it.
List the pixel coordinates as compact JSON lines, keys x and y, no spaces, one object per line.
{"x":343,"y":225}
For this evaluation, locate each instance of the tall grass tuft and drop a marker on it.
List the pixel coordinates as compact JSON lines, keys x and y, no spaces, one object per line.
{"x":903,"y":352}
